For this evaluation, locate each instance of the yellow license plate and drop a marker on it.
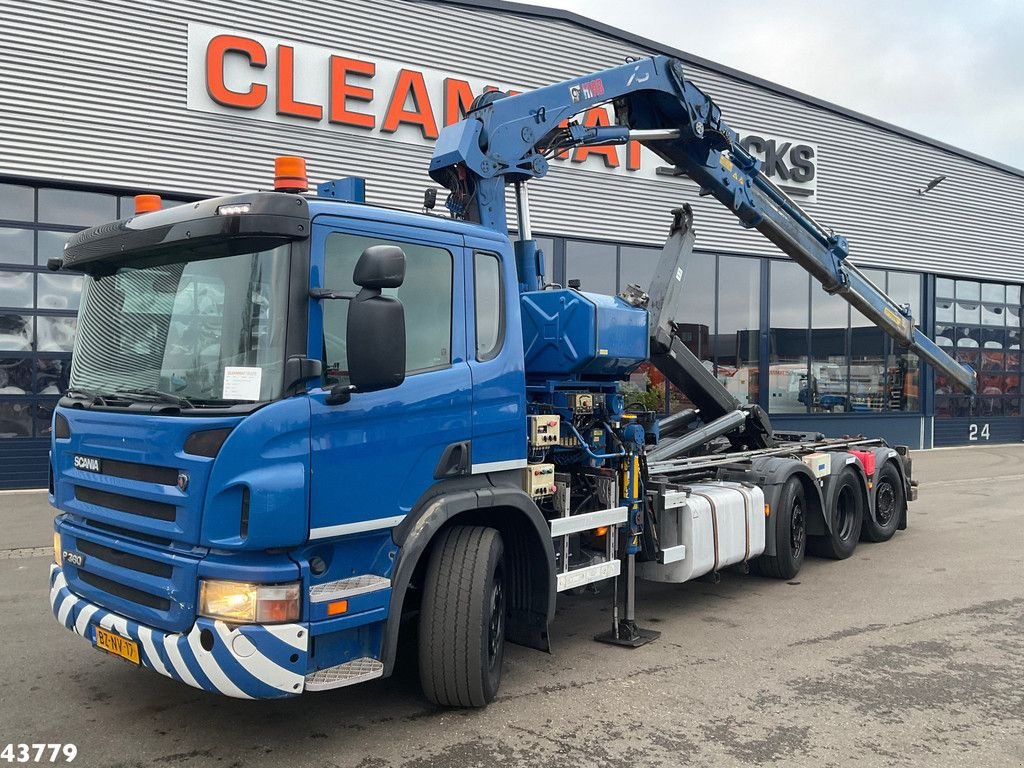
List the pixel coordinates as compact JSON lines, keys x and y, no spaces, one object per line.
{"x":117,"y":645}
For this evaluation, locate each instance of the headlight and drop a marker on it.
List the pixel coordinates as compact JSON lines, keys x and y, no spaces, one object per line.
{"x":245,"y":603}
{"x":56,"y":547}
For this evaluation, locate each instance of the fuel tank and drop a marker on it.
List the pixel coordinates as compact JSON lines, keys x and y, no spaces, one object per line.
{"x":567,"y":332}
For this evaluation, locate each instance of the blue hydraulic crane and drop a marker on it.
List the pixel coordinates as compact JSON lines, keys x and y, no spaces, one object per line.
{"x":507,"y":140}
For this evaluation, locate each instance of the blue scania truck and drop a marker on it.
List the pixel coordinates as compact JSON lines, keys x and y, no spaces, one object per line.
{"x":296,"y":423}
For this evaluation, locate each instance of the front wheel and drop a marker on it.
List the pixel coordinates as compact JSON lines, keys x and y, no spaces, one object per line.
{"x":462,"y":618}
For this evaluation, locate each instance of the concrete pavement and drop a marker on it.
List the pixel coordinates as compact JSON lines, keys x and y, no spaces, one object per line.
{"x":909,"y":653}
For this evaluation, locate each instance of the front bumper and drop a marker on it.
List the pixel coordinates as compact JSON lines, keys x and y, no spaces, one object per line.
{"x":245,"y":662}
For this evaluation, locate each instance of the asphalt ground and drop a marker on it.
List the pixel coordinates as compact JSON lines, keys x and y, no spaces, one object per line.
{"x":910,"y":653}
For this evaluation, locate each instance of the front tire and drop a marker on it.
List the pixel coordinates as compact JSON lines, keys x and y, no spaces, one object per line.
{"x":790,"y":534}
{"x":890,"y":501}
{"x":847,"y":516}
{"x":462,"y":618}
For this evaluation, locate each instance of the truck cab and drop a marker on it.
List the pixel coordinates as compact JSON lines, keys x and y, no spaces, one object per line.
{"x":277,"y":404}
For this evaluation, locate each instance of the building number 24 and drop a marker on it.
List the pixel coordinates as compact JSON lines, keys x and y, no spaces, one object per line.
{"x":978,"y":433}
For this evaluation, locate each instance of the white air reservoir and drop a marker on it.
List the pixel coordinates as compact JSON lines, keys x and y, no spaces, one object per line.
{"x":705,"y":528}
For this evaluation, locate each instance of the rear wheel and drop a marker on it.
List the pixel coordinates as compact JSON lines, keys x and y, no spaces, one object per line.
{"x":847,"y":516}
{"x":790,"y":534}
{"x":462,"y":618}
{"x":890,"y":501}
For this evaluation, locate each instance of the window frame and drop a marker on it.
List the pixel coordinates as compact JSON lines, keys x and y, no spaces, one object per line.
{"x":499,"y":342}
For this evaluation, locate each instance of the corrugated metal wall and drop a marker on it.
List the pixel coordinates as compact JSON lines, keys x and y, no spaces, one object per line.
{"x":95,"y":93}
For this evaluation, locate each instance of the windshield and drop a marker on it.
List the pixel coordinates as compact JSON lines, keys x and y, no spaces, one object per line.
{"x":209,"y":331}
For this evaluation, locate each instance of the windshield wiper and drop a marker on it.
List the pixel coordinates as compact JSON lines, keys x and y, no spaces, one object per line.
{"x":156,"y":394}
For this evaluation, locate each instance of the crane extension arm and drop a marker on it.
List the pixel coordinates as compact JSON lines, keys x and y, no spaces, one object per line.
{"x":507,"y":139}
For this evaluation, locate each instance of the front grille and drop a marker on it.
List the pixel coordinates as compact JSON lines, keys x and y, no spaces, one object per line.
{"x":131,"y":471}
{"x":154,"y":509}
{"x":124,"y":559}
{"x":127,"y":593}
{"x":119,"y":531}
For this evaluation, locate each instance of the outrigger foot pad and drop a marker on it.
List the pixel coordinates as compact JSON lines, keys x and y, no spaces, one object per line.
{"x":628,"y":635}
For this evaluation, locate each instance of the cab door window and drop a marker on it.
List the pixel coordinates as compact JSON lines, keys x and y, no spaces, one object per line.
{"x":426,"y":295}
{"x":490,"y":309}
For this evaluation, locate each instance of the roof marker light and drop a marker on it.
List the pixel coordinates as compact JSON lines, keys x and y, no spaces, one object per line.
{"x":290,"y":174}
{"x":147,"y":203}
{"x":233,"y":209}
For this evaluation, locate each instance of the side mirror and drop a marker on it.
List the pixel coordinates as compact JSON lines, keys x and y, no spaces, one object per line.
{"x":376,"y":324}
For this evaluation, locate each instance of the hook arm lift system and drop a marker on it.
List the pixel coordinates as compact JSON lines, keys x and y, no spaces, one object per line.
{"x":507,"y":140}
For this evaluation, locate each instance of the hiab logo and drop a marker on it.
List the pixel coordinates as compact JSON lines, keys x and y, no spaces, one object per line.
{"x":266,"y":78}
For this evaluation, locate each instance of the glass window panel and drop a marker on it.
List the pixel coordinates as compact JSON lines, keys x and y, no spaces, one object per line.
{"x":426,"y":295}
{"x":16,"y":289}
{"x":593,"y":264}
{"x":17,"y":203}
{"x":42,"y":415}
{"x":944,"y":288}
{"x":829,"y":365}
{"x":1013,"y":316}
{"x":489,"y":307}
{"x":16,"y":246}
{"x":735,"y":345}
{"x":968,"y":290}
{"x":1011,"y":406}
{"x":905,"y":288}
{"x":67,"y":206}
{"x":1013,"y":294}
{"x":968,"y":311}
{"x":789,"y":313}
{"x":993,"y":292}
{"x":990,"y":384}
{"x":637,"y":265}
{"x":869,"y":366}
{"x":52,"y":375}
{"x":1013,"y":339}
{"x":59,"y":291}
{"x":15,"y":419}
{"x":903,"y":381}
{"x":15,"y":333}
{"x":15,"y":376}
{"x":697,"y":321}
{"x":56,"y":334}
{"x":51,"y":244}
{"x":993,"y":314}
{"x":990,"y":406}
{"x":547,"y":246}
{"x":945,"y":336}
{"x":943,"y":310}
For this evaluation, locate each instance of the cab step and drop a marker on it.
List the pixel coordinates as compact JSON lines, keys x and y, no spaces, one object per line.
{"x":349,"y":673}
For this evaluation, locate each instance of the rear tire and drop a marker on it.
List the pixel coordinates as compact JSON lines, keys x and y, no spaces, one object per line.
{"x":846,"y":515}
{"x":462,"y":618}
{"x":790,"y":534}
{"x":890,"y":501}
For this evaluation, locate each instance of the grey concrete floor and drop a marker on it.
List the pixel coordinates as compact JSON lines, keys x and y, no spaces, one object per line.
{"x":910,"y":653}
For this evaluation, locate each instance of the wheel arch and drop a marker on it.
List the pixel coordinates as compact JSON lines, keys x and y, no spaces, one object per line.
{"x":528,"y":555}
{"x":777,"y":471}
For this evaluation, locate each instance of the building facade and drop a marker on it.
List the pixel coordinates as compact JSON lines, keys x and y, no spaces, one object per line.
{"x":102,"y":101}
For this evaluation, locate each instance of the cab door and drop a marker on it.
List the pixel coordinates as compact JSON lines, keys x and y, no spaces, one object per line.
{"x":375,"y":455}
{"x":495,"y":351}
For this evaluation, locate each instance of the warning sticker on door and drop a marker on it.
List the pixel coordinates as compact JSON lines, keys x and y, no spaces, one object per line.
{"x":242,"y":383}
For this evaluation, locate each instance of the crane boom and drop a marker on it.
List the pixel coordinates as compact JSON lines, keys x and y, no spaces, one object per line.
{"x":507,"y":140}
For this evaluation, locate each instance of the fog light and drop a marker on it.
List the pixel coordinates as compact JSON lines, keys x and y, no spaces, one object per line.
{"x":246,"y":603}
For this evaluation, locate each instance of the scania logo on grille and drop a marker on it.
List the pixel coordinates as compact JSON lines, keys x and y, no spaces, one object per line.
{"x":88,"y":463}
{"x":182,"y":481}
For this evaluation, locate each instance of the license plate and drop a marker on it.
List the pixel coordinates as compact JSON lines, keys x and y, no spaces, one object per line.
{"x":117,"y":645}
